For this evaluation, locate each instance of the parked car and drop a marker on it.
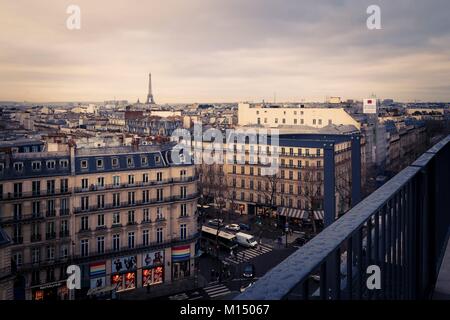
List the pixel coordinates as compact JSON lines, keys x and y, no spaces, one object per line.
{"x":244,"y":226}
{"x":216,"y":222}
{"x":249,"y":271}
{"x":300,"y":241}
{"x":233,"y":227}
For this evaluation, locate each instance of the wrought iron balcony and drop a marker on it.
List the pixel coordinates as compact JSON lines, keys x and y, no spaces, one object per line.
{"x":401,"y":228}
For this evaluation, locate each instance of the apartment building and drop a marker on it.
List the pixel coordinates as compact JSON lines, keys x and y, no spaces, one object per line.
{"x":271,"y":116}
{"x":314,"y":174}
{"x":125,"y":215}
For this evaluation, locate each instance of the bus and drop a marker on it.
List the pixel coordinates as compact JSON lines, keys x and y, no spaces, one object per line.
{"x":225,"y":239}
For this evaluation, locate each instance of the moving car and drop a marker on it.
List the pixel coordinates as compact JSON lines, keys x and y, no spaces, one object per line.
{"x":233,"y":227}
{"x":216,"y":222}
{"x":249,"y":271}
{"x":246,"y":240}
{"x":246,"y":286}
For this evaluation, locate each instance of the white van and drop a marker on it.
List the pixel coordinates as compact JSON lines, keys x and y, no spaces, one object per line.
{"x":246,"y":240}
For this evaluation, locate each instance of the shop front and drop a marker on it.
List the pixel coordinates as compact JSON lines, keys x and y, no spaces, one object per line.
{"x":152,"y":268}
{"x":51,"y":291}
{"x":124,"y":271}
{"x":97,"y":275}
{"x":181,"y":256}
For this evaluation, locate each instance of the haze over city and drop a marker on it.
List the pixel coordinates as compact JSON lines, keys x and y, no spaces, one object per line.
{"x":219,"y":51}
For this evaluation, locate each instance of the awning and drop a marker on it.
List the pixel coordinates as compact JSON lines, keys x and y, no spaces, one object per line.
{"x":318,"y":214}
{"x":293,"y":213}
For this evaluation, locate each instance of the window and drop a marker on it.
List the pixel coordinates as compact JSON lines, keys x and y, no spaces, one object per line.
{"x":144,"y":161}
{"x":116,"y":242}
{"x":314,"y":121}
{"x":64,"y":185}
{"x":116,"y":181}
{"x":145,"y":237}
{"x":17,"y":211}
{"x":130,"y":179}
{"x":131,"y":217}
{"x":99,"y":163}
{"x":130,"y":162}
{"x":145,"y":196}
{"x":159,"y":194}
{"x":116,"y":199}
{"x":2,"y":167}
{"x":115,"y":162}
{"x":84,"y":223}
{"x":36,"y":187}
{"x":183,"y":192}
{"x":159,"y":235}
{"x":84,"y":244}
{"x":159,"y":176}
{"x":17,"y":257}
{"x":157,"y":159}
{"x":64,"y":252}
{"x":101,"y":201}
{"x":320,"y":121}
{"x":50,"y":252}
{"x":101,"y":244}
{"x":36,"y":165}
{"x":84,"y":203}
{"x":84,"y":183}
{"x":100,"y":220}
{"x":330,"y":121}
{"x":145,"y":177}
{"x":35,"y":255}
{"x":64,"y":163}
{"x":116,"y":218}
{"x":18,"y":166}
{"x":51,"y":164}
{"x":36,"y":207}
{"x":146,"y":215}
{"x":100,"y":182}
{"x":84,"y":164}
{"x":159,"y":213}
{"x":131,"y":198}
{"x":183,"y":231}
{"x":50,"y":186}
{"x":183,"y":210}
{"x":130,"y":240}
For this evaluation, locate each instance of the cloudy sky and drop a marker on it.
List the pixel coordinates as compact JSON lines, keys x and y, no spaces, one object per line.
{"x":227,"y":50}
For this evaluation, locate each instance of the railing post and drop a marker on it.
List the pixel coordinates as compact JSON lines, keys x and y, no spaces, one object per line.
{"x":329,"y":184}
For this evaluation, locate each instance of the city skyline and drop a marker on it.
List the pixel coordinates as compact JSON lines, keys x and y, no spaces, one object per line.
{"x":209,"y":51}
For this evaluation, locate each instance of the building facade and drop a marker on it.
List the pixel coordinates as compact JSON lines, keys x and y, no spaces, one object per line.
{"x":125,"y":215}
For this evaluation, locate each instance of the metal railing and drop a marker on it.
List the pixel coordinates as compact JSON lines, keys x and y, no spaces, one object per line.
{"x":402,"y":228}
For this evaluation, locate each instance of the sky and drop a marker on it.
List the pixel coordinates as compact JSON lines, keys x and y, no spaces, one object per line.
{"x":224,"y":51}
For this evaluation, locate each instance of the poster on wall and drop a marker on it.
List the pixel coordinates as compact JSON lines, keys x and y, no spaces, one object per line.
{"x":152,"y":276}
{"x":130,"y":280}
{"x":370,"y":106}
{"x":117,"y":282}
{"x":97,"y":274}
{"x":158,"y":275}
{"x":153,"y":258}
{"x":123,"y":264}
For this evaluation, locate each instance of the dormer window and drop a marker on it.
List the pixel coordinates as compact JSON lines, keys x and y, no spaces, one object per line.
{"x":84,"y":164}
{"x":51,"y":164}
{"x":157,"y":159}
{"x":130,"y":162}
{"x":99,"y":163}
{"x":64,"y":163}
{"x":115,"y":162}
{"x":36,"y":165}
{"x":144,"y":160}
{"x":18,"y":166}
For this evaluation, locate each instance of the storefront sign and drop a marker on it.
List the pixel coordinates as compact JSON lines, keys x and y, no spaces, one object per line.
{"x":152,"y":276}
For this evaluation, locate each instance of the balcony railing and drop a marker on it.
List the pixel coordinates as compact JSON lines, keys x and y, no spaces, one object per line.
{"x":111,"y":206}
{"x":34,"y":194}
{"x":400,"y":228}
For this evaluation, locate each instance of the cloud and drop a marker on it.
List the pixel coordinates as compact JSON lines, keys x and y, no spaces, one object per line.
{"x":211,"y":50}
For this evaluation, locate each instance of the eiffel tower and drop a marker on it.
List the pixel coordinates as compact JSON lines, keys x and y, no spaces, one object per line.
{"x":150,"y":99}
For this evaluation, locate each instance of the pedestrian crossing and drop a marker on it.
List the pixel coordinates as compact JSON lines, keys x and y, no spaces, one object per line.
{"x":216,"y":290}
{"x":249,"y":254}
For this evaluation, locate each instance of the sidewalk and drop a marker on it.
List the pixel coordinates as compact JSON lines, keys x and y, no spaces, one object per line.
{"x":164,"y":289}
